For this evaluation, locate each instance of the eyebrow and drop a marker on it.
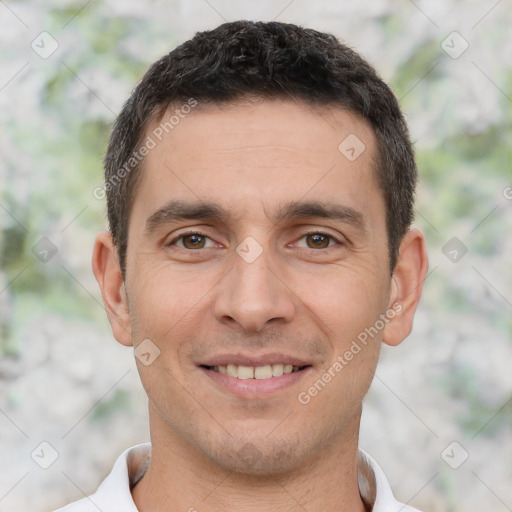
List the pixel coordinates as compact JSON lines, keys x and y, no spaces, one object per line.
{"x":176,"y":210}
{"x":180,"y":210}
{"x":302,"y":210}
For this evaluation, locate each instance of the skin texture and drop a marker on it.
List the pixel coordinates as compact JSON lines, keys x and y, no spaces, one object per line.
{"x":212,"y":449}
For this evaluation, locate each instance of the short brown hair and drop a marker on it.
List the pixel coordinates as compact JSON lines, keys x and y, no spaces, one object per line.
{"x":264,"y":60}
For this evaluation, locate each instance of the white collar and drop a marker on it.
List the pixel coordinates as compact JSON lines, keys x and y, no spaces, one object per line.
{"x":114,"y":493}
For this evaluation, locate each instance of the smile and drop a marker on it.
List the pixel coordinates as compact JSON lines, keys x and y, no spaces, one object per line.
{"x":255,"y":372}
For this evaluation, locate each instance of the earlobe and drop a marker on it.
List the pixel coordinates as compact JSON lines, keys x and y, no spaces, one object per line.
{"x":106,"y":269}
{"x":406,"y":286}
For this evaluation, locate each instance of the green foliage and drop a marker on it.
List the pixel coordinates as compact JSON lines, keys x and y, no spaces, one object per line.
{"x":66,"y":139}
{"x":420,"y":63}
{"x":118,"y":401}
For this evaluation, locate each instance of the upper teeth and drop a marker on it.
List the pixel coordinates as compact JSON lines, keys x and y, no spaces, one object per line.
{"x":256,"y":372}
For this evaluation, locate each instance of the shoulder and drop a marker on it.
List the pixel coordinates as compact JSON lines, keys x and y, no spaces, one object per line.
{"x":379,"y":489}
{"x":83,"y":505}
{"x":114,"y":492}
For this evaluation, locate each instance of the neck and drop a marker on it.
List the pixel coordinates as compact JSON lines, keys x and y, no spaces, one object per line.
{"x":180,"y":478}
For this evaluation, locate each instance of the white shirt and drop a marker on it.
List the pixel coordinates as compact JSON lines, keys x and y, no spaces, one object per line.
{"x":114,"y":493}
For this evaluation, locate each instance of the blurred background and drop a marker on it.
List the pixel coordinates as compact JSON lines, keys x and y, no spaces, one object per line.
{"x":438,"y":416}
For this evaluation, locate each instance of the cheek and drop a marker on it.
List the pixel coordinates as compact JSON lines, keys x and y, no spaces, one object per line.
{"x":163,"y":302}
{"x":164,"y":309}
{"x":347,"y":306}
{"x":344,"y":303}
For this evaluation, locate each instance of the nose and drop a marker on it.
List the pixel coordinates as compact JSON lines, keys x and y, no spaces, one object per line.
{"x":252,"y":295}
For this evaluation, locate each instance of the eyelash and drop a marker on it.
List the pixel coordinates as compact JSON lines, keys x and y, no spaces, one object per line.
{"x":183,"y":235}
{"x":323,"y":233}
{"x":314,"y":232}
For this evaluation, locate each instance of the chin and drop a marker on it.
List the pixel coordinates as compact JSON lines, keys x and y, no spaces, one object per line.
{"x":258,"y":456}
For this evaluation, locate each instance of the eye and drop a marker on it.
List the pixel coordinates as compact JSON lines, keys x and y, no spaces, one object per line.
{"x":318,"y":240}
{"x":192,"y":241}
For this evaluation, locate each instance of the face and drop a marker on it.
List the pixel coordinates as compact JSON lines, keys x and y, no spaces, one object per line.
{"x":257,"y":259}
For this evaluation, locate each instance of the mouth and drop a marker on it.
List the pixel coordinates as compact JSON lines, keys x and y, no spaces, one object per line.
{"x":254,"y":378}
{"x":267,"y":371}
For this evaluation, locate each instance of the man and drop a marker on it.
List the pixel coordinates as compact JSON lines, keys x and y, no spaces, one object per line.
{"x":260,"y":184}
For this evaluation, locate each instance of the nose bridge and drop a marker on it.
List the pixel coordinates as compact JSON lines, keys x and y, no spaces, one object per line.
{"x":252,"y":294}
{"x":254,"y":281}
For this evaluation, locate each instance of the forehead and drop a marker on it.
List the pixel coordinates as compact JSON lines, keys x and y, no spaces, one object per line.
{"x":271,"y":151}
{"x":299,"y":124}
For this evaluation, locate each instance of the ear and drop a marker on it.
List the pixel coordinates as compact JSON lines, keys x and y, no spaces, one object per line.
{"x":107,"y":271}
{"x":406,"y":286}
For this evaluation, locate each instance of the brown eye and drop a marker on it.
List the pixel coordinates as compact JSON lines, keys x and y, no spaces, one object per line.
{"x":194,"y":241}
{"x":318,"y":241}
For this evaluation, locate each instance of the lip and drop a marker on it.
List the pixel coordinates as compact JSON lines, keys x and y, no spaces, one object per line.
{"x":254,"y":388}
{"x":248,"y":360}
